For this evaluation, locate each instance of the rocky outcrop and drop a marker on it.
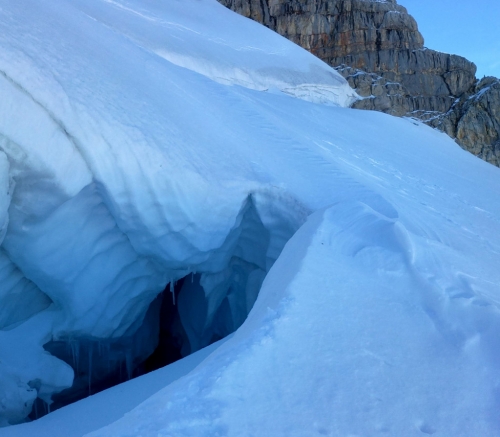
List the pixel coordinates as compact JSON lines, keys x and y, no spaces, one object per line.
{"x":376,"y":46}
{"x":381,"y":94}
{"x":474,"y":120}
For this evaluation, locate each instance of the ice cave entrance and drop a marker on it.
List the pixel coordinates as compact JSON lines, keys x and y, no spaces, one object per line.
{"x":190,"y":313}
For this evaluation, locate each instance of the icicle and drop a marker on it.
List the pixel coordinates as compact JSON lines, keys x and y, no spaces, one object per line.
{"x":172,"y":290}
{"x":90,"y":368}
{"x":46,"y":407}
{"x":128,"y":363}
{"x":36,"y":408}
{"x":75,"y":353}
{"x":108,"y":356}
{"x":68,"y":349}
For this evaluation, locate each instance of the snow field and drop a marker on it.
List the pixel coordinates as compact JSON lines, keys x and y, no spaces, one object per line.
{"x":128,"y":163}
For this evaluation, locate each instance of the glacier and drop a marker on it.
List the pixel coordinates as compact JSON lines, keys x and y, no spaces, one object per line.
{"x":174,"y":148}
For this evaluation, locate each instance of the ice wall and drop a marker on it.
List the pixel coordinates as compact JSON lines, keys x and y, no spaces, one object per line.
{"x":104,"y":195}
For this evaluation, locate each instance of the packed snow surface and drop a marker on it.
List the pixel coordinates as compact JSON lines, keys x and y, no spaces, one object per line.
{"x":142,"y":142}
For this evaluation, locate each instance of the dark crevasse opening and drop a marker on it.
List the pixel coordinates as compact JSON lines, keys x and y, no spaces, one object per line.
{"x":174,"y":326}
{"x":170,"y":332}
{"x":99,"y":364}
{"x":192,"y":312}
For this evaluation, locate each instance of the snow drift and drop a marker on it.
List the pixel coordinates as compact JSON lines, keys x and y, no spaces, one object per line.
{"x":146,"y":143}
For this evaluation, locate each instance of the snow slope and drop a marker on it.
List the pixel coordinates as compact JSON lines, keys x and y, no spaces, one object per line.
{"x":128,"y":162}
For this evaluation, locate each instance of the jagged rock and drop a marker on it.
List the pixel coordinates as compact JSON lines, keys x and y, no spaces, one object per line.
{"x":381,"y":94}
{"x":376,"y":46}
{"x":257,"y":10}
{"x":474,"y":120}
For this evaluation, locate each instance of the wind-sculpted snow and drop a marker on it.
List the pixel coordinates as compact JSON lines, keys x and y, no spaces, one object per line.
{"x":230,"y":50}
{"x":128,"y":164}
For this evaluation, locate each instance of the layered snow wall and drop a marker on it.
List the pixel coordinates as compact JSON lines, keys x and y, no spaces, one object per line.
{"x":103,"y":201}
{"x":73,"y":276}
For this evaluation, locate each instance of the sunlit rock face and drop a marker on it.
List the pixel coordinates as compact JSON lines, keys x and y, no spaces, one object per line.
{"x":336,"y":29}
{"x":377,"y":47}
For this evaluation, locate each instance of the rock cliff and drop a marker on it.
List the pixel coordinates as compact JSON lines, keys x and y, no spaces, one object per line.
{"x":376,"y":46}
{"x":474,"y":120}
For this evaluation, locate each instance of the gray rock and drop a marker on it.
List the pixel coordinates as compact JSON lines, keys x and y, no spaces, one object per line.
{"x":377,"y":47}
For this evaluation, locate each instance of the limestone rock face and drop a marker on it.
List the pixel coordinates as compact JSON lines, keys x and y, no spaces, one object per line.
{"x":392,"y":97}
{"x":376,"y":46}
{"x":474,"y":120}
{"x":257,"y":10}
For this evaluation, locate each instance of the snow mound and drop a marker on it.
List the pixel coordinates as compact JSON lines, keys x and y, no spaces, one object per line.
{"x":228,"y":49}
{"x":283,"y":371}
